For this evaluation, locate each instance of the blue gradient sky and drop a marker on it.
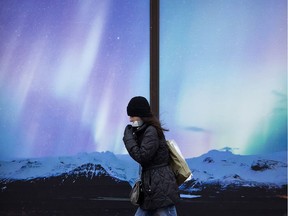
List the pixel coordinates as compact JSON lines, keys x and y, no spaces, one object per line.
{"x":68,"y":69}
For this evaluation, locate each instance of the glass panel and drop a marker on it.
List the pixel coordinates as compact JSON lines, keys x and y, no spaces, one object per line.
{"x":223,"y":75}
{"x":67,"y":71}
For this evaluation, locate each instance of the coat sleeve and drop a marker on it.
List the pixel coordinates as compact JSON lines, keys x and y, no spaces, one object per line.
{"x":147,"y":149}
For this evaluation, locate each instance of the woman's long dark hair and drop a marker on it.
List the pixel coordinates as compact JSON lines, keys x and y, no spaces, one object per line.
{"x":156,"y":123}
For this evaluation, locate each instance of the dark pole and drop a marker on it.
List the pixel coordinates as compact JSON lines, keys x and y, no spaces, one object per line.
{"x":154,"y":56}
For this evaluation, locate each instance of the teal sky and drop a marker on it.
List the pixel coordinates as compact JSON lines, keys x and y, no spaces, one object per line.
{"x":224,"y":74}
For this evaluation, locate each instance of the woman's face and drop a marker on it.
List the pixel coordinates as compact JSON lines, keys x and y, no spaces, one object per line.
{"x":136,"y":121}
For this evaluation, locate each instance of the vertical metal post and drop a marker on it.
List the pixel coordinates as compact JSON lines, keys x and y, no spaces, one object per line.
{"x":154,"y":56}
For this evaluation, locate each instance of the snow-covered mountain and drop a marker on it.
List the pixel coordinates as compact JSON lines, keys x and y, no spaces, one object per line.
{"x":226,"y":168}
{"x":122,"y":167}
{"x":214,"y":167}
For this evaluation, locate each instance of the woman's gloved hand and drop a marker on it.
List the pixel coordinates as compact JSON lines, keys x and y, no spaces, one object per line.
{"x":128,"y":133}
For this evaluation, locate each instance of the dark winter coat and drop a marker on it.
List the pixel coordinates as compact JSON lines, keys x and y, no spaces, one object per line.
{"x":159,"y":184}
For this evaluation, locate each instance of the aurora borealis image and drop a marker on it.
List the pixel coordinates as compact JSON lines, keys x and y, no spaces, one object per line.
{"x":223,"y":72}
{"x":68,"y":69}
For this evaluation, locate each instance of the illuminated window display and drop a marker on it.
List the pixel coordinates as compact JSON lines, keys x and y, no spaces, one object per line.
{"x":68,"y":69}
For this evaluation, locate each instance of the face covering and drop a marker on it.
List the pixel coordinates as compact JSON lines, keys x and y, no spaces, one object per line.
{"x":137,"y":123}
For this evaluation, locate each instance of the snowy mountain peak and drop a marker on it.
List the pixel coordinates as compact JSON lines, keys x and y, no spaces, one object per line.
{"x":214,"y":166}
{"x":89,"y":170}
{"x":224,"y":166}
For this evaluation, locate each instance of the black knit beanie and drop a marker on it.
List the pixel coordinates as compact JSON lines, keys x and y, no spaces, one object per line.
{"x":139,"y":106}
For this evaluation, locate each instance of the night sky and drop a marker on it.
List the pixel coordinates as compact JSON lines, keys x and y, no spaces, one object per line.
{"x":224,"y":74}
{"x":68,"y":69}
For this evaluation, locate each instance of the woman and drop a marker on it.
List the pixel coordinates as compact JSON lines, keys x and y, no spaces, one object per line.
{"x":145,"y":142}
